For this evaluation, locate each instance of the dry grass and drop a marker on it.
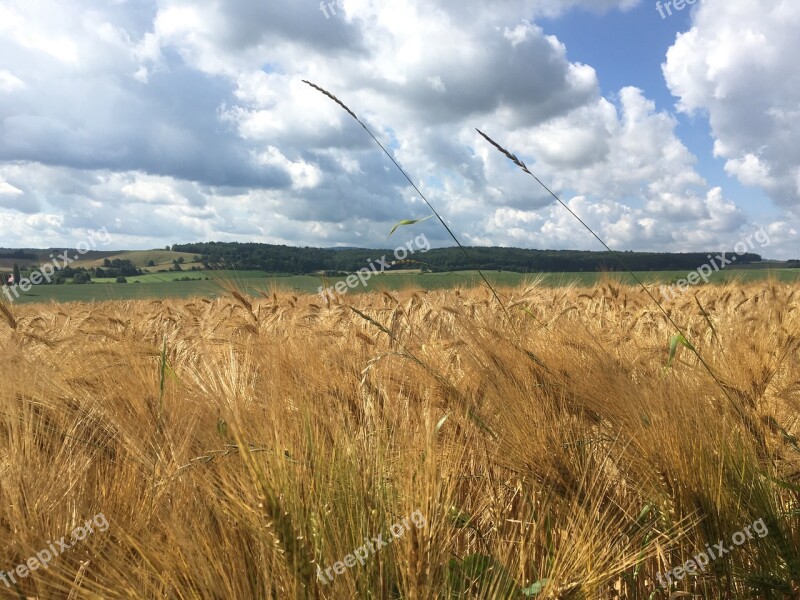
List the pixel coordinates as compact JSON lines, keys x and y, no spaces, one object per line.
{"x":291,"y":431}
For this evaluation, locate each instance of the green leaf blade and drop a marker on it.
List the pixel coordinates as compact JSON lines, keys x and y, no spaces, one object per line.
{"x":407,"y":222}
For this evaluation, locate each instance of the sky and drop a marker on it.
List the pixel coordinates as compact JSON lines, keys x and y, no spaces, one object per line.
{"x":666,"y":128}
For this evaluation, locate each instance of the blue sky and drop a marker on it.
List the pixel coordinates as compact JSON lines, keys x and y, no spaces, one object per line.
{"x":173,"y":121}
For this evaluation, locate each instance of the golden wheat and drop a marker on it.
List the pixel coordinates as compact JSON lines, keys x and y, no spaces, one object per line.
{"x":547,"y":444}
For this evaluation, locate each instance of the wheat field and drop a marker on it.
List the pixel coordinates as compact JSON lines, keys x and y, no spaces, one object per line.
{"x":239,"y":447}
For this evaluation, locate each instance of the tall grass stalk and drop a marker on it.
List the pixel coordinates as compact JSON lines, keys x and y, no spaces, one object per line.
{"x":755,"y":429}
{"x":410,"y":181}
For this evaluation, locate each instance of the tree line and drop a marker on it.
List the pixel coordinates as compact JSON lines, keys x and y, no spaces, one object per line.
{"x":289,"y":259}
{"x":117,"y":269}
{"x":16,"y":254}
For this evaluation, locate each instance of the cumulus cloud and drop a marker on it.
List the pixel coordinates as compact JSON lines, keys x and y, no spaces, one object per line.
{"x":736,"y":64}
{"x":10,"y":82}
{"x":81,"y":106}
{"x":170,"y":120}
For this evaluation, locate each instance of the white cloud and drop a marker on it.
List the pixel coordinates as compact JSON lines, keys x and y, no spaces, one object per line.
{"x":10,"y":82}
{"x":750,"y":170}
{"x":304,"y":175}
{"x":179,"y":121}
{"x":6,"y":189}
{"x":737,"y":65}
{"x":38,"y":26}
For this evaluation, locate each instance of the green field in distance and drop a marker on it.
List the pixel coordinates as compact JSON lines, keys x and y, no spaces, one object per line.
{"x":210,"y":284}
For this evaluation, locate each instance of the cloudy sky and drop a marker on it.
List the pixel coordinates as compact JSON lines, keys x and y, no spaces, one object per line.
{"x":170,"y":121}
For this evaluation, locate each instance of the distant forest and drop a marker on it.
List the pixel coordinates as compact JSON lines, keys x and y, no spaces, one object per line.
{"x":16,"y":254}
{"x":289,"y":259}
